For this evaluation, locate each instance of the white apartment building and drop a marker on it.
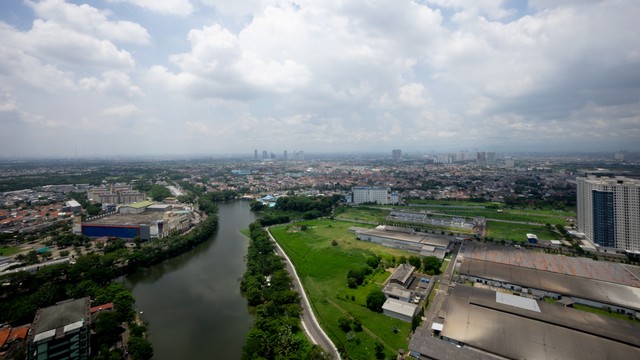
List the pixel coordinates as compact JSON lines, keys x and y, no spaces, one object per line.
{"x":365,"y":194}
{"x":608,"y":211}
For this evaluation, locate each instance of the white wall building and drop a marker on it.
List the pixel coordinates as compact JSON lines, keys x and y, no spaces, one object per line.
{"x":608,"y":211}
{"x":365,"y":194}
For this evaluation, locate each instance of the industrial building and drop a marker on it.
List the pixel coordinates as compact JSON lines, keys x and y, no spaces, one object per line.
{"x":72,"y":206}
{"x":608,"y":211}
{"x":135,"y":208}
{"x":406,"y":239}
{"x":599,"y":284}
{"x":398,"y":283}
{"x":61,"y":331}
{"x":399,"y":309}
{"x":483,"y":323}
{"x":144,"y":225}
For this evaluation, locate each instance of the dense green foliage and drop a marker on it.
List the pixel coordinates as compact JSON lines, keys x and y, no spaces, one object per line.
{"x":431,"y":265}
{"x":296,"y":207}
{"x":276,"y":332}
{"x":92,"y":209}
{"x":208,"y":200}
{"x":375,"y":300}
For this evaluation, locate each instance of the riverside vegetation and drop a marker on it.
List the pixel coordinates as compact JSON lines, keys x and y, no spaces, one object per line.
{"x":93,"y":275}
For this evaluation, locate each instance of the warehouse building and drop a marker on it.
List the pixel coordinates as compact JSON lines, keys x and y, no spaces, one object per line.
{"x":146,"y":225}
{"x":406,"y":239}
{"x":400,"y":309}
{"x":599,"y":284}
{"x":514,"y":327}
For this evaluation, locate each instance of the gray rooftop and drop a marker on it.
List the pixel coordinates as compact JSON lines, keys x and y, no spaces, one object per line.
{"x":61,"y":315}
{"x":563,"y":284}
{"x":402,"y":273}
{"x":417,"y":238}
{"x":434,"y":348}
{"x":129,"y":219}
{"x":473,"y":317}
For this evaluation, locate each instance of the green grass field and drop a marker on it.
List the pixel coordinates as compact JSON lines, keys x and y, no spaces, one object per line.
{"x":604,"y":312}
{"x":517,"y":232}
{"x":323,"y":270}
{"x":450,"y":202}
{"x":366,"y":214}
{"x":8,"y":251}
{"x":541,"y":216}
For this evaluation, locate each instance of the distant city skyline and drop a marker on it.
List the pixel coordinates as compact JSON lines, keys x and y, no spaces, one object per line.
{"x":132,"y":77}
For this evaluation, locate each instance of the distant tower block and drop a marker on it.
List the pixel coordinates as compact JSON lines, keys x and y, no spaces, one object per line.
{"x":255,"y":154}
{"x":285,"y":157}
{"x":396,"y":154}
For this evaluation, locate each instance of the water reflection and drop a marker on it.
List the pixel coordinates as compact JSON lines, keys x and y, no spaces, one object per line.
{"x":193,"y":301}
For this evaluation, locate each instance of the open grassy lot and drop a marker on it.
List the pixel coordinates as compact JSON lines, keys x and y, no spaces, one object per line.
{"x":517,"y":232}
{"x":603,"y":312}
{"x":541,"y":216}
{"x":450,"y":202}
{"x":323,"y":268}
{"x":360,"y":213}
{"x":8,"y":251}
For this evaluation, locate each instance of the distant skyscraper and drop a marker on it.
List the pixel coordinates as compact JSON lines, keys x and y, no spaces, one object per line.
{"x":491,"y":159}
{"x":396,"y":154}
{"x":265,"y":155}
{"x":608,"y":211}
{"x":299,"y":155}
{"x":481,"y":159}
{"x":509,"y":163}
{"x":255,"y":154}
{"x":286,"y":157}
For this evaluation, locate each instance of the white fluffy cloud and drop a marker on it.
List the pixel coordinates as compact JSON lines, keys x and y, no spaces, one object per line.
{"x":89,"y":20}
{"x":172,"y":7}
{"x":328,"y":75}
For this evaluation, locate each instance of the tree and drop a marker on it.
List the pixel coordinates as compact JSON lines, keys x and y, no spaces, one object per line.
{"x":140,"y":349}
{"x":344,"y":324}
{"x":415,"y":261}
{"x":375,"y":300}
{"x":431,"y":263}
{"x":107,"y":328}
{"x":373,"y":261}
{"x":357,"y":325}
{"x":379,"y":349}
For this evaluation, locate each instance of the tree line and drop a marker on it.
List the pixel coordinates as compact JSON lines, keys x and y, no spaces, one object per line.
{"x":277,"y":331}
{"x":294,"y":207}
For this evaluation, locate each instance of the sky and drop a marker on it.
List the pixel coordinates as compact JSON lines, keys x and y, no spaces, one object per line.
{"x":144,"y":77}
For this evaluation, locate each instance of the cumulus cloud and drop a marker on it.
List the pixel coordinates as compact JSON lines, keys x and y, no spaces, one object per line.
{"x":486,"y":73}
{"x":112,"y":82}
{"x":87,"y":19}
{"x":172,"y":7}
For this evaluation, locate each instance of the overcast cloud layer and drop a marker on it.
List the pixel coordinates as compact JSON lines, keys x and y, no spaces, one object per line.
{"x":215,"y":76}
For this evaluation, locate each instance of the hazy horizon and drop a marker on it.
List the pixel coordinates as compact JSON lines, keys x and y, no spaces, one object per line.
{"x":111,"y":78}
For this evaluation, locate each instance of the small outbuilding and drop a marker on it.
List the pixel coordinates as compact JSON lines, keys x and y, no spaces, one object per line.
{"x":400,"y":309}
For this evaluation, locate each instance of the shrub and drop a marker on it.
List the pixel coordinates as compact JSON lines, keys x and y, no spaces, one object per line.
{"x":344,"y":324}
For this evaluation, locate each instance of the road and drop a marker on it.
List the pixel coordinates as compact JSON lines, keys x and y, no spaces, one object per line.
{"x":309,"y":322}
{"x":443,"y":288}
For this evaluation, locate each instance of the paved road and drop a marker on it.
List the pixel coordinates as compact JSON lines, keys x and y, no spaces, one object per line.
{"x":309,"y":321}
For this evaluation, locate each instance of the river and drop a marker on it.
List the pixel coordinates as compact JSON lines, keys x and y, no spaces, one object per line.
{"x":193,"y":301}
